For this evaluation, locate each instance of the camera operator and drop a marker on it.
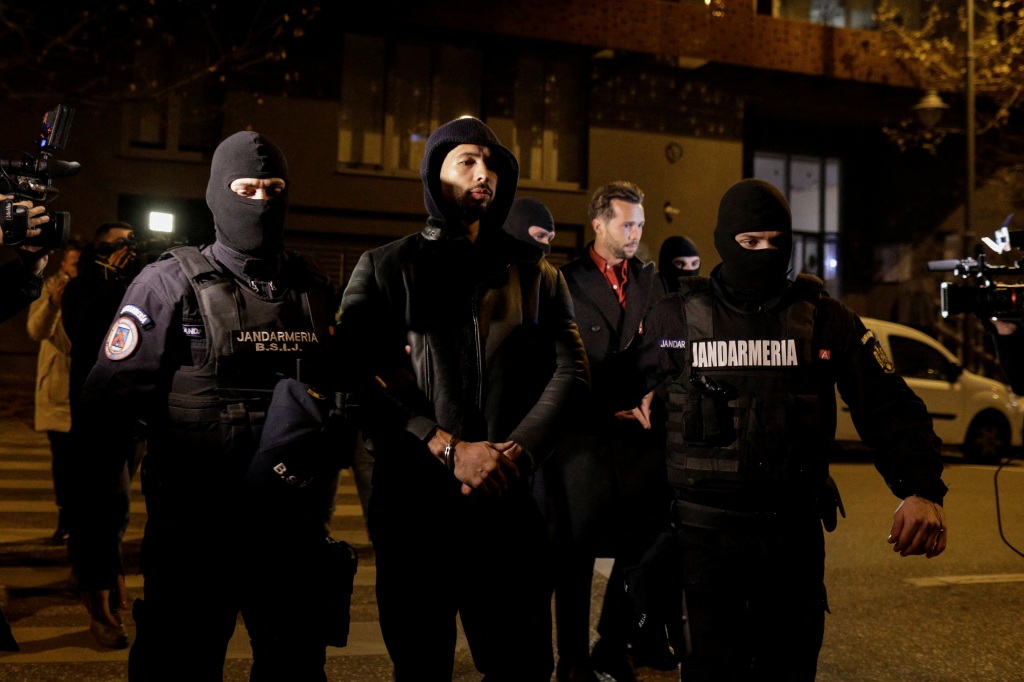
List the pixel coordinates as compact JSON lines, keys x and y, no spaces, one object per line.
{"x":21,"y":280}
{"x":1009,"y":340}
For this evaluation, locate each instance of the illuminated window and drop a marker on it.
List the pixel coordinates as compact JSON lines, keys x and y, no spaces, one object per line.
{"x":395,"y":92}
{"x":536,"y":107}
{"x":811,"y":186}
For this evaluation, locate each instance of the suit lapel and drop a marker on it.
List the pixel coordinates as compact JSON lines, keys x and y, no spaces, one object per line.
{"x":590,"y":285}
{"x":638,"y":298}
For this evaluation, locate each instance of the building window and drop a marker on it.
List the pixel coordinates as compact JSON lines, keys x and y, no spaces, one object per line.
{"x":835,"y":13}
{"x":811,"y":186}
{"x":537,"y":106}
{"x":394,"y":93}
{"x":177,"y":128}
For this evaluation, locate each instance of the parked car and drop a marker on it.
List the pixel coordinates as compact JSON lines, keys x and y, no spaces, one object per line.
{"x":980,"y":416}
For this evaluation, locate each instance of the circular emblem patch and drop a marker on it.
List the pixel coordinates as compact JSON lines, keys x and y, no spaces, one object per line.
{"x":122,"y":339}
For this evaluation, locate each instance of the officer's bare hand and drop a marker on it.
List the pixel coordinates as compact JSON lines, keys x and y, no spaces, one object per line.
{"x":1004,"y":328}
{"x":485,"y":467}
{"x":918,"y":527}
{"x":641,"y":414}
{"x":97,"y":603}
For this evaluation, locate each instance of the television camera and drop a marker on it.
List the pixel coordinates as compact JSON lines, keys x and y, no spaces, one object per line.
{"x":29,"y":178}
{"x":980,"y":291}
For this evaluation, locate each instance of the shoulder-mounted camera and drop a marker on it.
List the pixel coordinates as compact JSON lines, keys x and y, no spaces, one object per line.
{"x":29,"y":178}
{"x":979,"y":291}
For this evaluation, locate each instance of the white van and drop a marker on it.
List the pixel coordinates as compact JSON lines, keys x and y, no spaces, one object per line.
{"x":980,"y":416}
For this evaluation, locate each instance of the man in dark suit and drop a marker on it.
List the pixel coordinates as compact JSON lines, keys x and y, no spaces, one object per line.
{"x":602,"y":492}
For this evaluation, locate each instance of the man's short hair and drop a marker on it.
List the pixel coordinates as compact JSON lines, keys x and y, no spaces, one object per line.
{"x":105,"y":229}
{"x":623,"y":190}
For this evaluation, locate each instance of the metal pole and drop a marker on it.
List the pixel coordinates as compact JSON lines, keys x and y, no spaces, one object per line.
{"x":968,"y":233}
{"x":967,"y":236}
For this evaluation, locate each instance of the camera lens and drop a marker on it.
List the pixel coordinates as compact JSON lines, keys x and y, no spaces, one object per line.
{"x":53,"y":234}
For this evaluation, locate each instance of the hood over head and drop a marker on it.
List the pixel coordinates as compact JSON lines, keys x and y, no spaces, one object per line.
{"x":468,"y":130}
{"x":753,"y":206}
{"x":254,"y":227}
{"x":526,"y":213}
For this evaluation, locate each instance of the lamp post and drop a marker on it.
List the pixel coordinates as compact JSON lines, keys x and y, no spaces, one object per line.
{"x":929,"y":109}
{"x":968,"y":234}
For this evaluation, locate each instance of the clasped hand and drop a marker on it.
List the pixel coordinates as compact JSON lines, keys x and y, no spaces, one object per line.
{"x":486,"y":467}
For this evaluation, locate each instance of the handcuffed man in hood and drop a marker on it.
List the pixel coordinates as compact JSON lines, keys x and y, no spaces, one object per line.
{"x":467,"y":357}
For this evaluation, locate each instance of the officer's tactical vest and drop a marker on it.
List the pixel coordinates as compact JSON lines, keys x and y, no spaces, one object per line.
{"x":745,"y":412}
{"x":216,"y":408}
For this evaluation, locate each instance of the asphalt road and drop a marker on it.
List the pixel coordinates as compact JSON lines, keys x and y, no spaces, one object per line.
{"x":956,"y":617}
{"x":953,"y":618}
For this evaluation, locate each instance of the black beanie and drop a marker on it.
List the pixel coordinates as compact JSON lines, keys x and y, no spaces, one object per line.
{"x":254,"y":227}
{"x":753,"y":206}
{"x":526,"y":213}
{"x":468,"y":130}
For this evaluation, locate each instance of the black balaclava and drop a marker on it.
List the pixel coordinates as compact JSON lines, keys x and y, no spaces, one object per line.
{"x":753,"y":206}
{"x":467,"y":130}
{"x":254,"y":227}
{"x":524,"y":214}
{"x":672,"y":248}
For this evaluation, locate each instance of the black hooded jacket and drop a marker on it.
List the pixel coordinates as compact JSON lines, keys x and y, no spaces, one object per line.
{"x":476,"y":337}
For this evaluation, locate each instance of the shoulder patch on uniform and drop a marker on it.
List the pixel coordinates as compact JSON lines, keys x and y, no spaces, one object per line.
{"x":880,"y":357}
{"x":883,"y":360}
{"x":135,"y":311}
{"x":122,"y":339}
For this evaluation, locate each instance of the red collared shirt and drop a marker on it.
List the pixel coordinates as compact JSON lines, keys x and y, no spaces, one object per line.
{"x":615,"y":274}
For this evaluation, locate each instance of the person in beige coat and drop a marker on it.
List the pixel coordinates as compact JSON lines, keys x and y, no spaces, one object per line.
{"x":53,"y":411}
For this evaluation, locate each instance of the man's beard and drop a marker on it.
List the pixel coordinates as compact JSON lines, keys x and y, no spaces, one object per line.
{"x":470,"y":209}
{"x":621,"y":252}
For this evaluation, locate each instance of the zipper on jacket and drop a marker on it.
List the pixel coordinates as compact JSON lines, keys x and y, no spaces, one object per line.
{"x":479,"y":351}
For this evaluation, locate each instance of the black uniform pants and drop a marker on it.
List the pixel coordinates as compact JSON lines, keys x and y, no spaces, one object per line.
{"x":755,"y":598}
{"x":486,"y":559}
{"x":62,"y":451}
{"x":200,"y":574}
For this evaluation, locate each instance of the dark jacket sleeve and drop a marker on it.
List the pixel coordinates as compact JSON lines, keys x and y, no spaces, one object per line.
{"x":539,"y":429}
{"x":625,"y":377}
{"x":381,"y":377}
{"x":887,"y":413}
{"x":116,"y":394}
{"x":19,"y":287}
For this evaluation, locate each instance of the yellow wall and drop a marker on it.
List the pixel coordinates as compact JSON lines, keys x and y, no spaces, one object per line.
{"x":693,"y":184}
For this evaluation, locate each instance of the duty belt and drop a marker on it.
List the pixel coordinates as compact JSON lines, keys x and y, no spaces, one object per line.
{"x":716,"y":518}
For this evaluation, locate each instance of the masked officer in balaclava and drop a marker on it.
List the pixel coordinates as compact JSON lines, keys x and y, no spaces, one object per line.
{"x":752,"y":360}
{"x":468,"y":357}
{"x":677,"y":258}
{"x":530,"y":221}
{"x":200,"y":340}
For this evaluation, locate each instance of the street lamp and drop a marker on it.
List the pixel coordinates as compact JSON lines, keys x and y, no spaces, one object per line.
{"x":929,"y":109}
